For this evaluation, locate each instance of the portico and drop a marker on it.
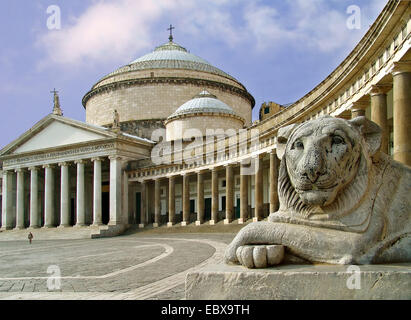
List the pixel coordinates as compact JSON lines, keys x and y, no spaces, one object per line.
{"x":59,"y":166}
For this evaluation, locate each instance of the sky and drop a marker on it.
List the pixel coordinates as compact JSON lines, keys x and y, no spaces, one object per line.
{"x":278,"y":49}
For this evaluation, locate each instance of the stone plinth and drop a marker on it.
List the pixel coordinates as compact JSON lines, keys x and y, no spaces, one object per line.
{"x":300,"y":282}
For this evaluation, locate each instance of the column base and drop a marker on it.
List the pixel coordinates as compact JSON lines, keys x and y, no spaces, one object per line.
{"x":169,"y":224}
{"x":227,"y":221}
{"x":33,"y":227}
{"x":49,"y":227}
{"x":64,"y":226}
{"x":19,"y":228}
{"x":184,"y":223}
{"x":255,"y":219}
{"x":198,"y":223}
{"x":99,"y":224}
{"x":212,"y":222}
{"x":155,"y":225}
{"x":141,"y":226}
{"x":6,"y":228}
{"x":80,"y":225}
{"x":241,"y":221}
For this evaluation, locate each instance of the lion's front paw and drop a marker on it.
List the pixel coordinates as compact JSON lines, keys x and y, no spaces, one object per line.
{"x":260,"y":256}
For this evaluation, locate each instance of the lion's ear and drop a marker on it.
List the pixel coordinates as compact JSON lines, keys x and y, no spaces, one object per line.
{"x":282,"y":138}
{"x":370,"y":131}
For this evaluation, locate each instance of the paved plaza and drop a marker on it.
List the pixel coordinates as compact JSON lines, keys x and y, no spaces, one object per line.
{"x":135,"y":266}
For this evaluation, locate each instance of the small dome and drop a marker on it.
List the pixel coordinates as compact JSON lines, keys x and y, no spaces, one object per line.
{"x":204,"y":102}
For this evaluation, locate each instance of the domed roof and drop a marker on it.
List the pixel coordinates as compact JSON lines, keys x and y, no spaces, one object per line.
{"x":204,"y":102}
{"x":171,"y":56}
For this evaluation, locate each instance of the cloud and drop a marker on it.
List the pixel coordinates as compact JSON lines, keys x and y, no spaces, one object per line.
{"x":105,"y":30}
{"x":119,"y":29}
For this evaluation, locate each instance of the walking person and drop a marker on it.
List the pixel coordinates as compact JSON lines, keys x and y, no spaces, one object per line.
{"x":30,"y":237}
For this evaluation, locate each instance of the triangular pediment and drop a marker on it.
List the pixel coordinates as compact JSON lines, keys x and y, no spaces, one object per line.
{"x":54,"y":132}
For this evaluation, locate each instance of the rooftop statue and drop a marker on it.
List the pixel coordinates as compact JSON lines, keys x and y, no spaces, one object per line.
{"x":342,"y":201}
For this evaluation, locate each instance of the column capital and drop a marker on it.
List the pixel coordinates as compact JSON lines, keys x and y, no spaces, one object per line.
{"x":201,"y":171}
{"x":19,"y":170}
{"x":48,"y":166}
{"x":96,"y":159}
{"x":81,"y":161}
{"x":401,"y":67}
{"x":360,"y":105}
{"x":230,"y":165}
{"x":115,"y":157}
{"x":380,"y":89}
{"x":63,"y":164}
{"x":33,"y":168}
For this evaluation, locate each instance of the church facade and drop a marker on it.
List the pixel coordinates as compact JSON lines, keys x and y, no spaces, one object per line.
{"x":169,"y":139}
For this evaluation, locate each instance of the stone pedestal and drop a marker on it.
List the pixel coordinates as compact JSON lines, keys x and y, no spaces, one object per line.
{"x":300,"y":282}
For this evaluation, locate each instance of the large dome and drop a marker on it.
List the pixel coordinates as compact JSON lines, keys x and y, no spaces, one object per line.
{"x":151,"y":88}
{"x":171,"y":56}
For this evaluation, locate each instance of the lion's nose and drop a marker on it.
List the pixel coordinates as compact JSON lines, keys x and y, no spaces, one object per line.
{"x":312,"y":174}
{"x":313,"y":165}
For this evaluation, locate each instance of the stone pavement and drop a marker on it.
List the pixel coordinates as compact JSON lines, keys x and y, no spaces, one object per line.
{"x":135,"y":266}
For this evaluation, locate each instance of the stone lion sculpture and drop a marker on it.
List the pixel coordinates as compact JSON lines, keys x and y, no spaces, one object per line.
{"x":342,"y":201}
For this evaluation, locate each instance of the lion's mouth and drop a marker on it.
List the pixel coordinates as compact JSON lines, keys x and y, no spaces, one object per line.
{"x":323,"y":186}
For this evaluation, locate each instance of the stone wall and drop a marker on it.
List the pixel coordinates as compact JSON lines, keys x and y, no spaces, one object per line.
{"x":155,"y":101}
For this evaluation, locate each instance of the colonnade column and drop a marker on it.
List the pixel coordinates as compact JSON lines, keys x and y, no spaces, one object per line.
{"x":214,"y":196}
{"x":20,"y":199}
{"x":171,"y":201}
{"x":34,"y":200}
{"x":6,"y":219}
{"x":186,"y":200}
{"x":402,"y":112}
{"x":157,"y":203}
{"x":143,"y":212}
{"x":65,"y":195}
{"x":115,"y":190}
{"x":379,"y":113}
{"x":243,"y":195}
{"x":274,"y":163}
{"x":358,"y":109}
{"x":81,"y":212}
{"x":200,"y":198}
{"x":49,"y":196}
{"x":258,"y":189}
{"x":229,"y":188}
{"x":97,"y":194}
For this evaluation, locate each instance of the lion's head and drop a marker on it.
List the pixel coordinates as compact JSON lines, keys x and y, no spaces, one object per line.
{"x":320,"y":158}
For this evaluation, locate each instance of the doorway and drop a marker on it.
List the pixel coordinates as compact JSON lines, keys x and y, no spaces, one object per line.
{"x":207,"y":209}
{"x":138,"y":207}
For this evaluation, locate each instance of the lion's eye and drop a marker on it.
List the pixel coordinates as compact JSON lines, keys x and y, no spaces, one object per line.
{"x":298,"y":145}
{"x":337,"y":140}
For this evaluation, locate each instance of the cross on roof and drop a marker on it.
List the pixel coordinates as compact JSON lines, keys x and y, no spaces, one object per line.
{"x":171,"y":32}
{"x":54,"y":91}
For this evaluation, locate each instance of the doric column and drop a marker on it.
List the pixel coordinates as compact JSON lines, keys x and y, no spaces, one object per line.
{"x":214,"y":196}
{"x":258,"y":189}
{"x":157,"y":203}
{"x":171,"y":201}
{"x":402,"y":112}
{"x":97,"y":195}
{"x":243,"y":195}
{"x":20,"y":199}
{"x":115,"y":190}
{"x":200,"y":198}
{"x":7,"y":218}
{"x":379,"y":113}
{"x":274,"y":163}
{"x":229,"y":194}
{"x":358,"y":108}
{"x":81,"y":208}
{"x":34,"y":197}
{"x":49,"y":196}
{"x":64,"y":195}
{"x":143,"y":212}
{"x":186,"y":200}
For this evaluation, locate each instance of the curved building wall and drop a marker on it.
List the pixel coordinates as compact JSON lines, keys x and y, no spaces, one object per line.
{"x":157,"y":100}
{"x":175,"y":128}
